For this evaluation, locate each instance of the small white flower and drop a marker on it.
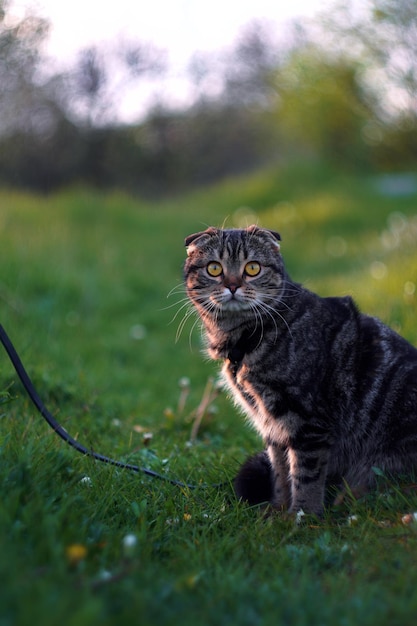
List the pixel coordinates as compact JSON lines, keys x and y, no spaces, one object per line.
{"x":147,"y":438}
{"x":352,"y":520}
{"x":104,"y":575}
{"x":137,"y":332}
{"x":129,"y":544}
{"x":86,"y":481}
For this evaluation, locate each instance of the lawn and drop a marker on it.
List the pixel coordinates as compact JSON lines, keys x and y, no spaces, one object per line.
{"x":90,"y":295}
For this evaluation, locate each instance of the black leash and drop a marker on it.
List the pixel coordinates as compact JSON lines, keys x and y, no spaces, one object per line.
{"x":60,"y":431}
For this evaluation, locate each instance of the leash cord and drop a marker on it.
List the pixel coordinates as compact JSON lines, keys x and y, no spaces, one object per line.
{"x":60,"y":431}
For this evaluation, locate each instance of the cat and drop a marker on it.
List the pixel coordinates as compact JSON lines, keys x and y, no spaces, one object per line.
{"x":332,"y":392}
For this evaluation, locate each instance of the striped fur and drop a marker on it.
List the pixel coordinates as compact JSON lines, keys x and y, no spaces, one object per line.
{"x":332,"y":392}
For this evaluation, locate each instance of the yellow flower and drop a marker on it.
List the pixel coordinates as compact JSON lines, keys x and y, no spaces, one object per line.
{"x":76,"y":552}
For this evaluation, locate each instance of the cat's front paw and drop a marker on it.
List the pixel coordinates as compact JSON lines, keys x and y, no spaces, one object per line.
{"x":299,"y":510}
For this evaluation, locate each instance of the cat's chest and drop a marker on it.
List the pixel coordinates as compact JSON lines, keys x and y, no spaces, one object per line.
{"x":260,"y":402}
{"x":253,"y":379}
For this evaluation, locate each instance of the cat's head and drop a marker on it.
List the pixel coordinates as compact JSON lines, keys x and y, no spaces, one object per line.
{"x":233,"y":271}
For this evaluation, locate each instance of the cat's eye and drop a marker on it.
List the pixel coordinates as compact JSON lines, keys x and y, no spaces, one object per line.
{"x":252,"y":268}
{"x":214,"y":268}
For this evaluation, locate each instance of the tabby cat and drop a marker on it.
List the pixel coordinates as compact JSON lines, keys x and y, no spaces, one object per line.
{"x":332,"y":392}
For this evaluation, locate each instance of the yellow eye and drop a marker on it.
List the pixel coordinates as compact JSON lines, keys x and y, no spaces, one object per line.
{"x":252,"y":268}
{"x":214,"y":269}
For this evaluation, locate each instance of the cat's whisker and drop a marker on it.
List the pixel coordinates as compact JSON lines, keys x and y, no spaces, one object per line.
{"x":183,"y":322}
{"x":277,"y":304}
{"x":185,"y":305}
{"x":185,"y":300}
{"x":266,"y":309}
{"x":272,"y":311}
{"x":192,"y":329}
{"x":258,"y":316}
{"x":291,"y":290}
{"x":209,"y":308}
{"x":180,"y":287}
{"x":278,"y":301}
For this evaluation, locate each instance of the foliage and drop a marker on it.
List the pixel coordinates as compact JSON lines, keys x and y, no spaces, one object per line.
{"x":22,"y":108}
{"x":340,"y":87}
{"x":323,"y":106}
{"x":382,"y":37}
{"x":84,"y":297}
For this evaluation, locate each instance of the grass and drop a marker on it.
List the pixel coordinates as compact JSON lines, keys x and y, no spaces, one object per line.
{"x":83,"y":294}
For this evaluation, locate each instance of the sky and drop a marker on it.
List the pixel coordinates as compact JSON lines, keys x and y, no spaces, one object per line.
{"x":181,"y":27}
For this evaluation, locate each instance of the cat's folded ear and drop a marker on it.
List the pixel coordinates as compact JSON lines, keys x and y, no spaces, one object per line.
{"x":275,"y":234}
{"x":205,"y":233}
{"x":257,"y":229}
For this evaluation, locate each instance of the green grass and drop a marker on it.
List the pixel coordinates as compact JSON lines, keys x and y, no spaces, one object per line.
{"x":83,"y":294}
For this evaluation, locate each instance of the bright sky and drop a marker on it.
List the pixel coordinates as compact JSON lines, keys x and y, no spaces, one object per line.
{"x":181,"y":27}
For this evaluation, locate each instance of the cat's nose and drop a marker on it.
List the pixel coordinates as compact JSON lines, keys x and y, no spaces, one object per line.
{"x":232,"y":283}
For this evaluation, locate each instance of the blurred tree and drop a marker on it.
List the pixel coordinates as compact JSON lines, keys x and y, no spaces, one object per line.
{"x":388,"y":41}
{"x":102,"y":74}
{"x":239,"y":76}
{"x":89,"y":93}
{"x":322,"y":106}
{"x":248,"y":69}
{"x":22,"y":105}
{"x":382,"y":36}
{"x":227,"y":129}
{"x":205,"y":143}
{"x":57,"y":128}
{"x":33,"y":128}
{"x":393,"y":48}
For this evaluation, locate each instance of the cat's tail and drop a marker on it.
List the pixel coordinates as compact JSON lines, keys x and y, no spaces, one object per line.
{"x":254,"y":480}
